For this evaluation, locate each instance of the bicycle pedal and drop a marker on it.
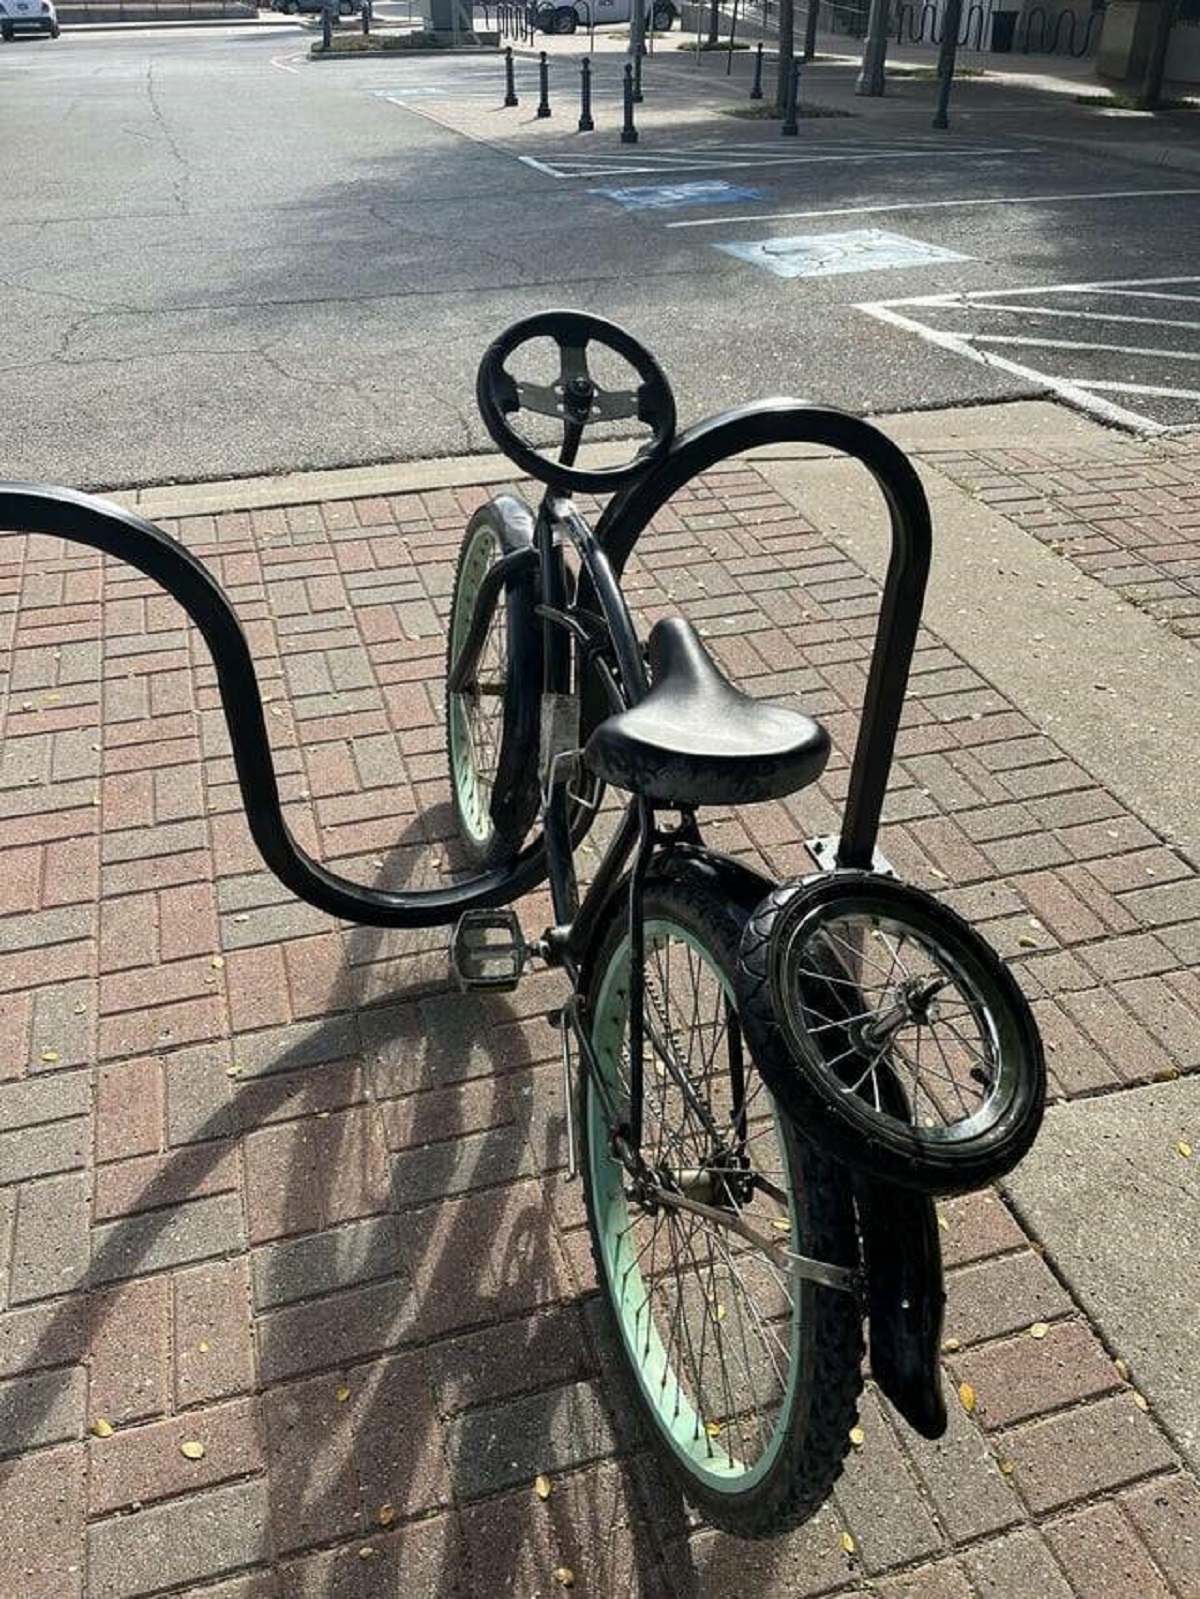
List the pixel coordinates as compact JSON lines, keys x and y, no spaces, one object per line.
{"x":487,"y":951}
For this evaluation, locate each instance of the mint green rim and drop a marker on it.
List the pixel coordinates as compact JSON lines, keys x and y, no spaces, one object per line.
{"x":472,"y":789}
{"x":676,"y":1415}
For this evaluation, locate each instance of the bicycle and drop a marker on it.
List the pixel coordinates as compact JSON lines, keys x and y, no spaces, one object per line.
{"x":695,"y":983}
{"x":742,"y":1059}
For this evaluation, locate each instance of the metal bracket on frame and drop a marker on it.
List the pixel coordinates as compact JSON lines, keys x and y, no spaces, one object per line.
{"x":824,"y":852}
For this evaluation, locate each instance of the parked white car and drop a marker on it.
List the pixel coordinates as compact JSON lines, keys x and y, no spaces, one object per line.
{"x":564,"y":16}
{"x":28,"y":16}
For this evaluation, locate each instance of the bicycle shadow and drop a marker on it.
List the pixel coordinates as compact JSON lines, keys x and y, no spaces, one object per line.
{"x":452,"y":1271}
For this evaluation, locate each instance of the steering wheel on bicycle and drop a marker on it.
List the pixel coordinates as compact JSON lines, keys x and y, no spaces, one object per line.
{"x":574,"y":398}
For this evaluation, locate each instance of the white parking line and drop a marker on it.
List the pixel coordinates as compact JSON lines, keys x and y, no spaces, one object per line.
{"x":1081,"y":344}
{"x":936,"y":205}
{"x":1078,"y":390}
{"x":572,"y":166}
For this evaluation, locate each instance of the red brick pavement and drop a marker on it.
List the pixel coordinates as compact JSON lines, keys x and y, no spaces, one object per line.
{"x":1127,"y":515}
{"x":266,"y":1186}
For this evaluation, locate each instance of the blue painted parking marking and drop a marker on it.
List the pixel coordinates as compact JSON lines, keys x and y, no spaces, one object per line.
{"x":824,"y":255}
{"x":660,"y":196}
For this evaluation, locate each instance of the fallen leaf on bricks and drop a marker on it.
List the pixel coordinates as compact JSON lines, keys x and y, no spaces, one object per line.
{"x":564,"y":1576}
{"x":857,"y":1437}
{"x":341,"y":1393}
{"x":101,"y":1427}
{"x":386,"y":1515}
{"x":848,"y":1543}
{"x":192,"y":1449}
{"x":966,"y":1397}
{"x":542,"y":1485}
{"x":1038,"y":1330}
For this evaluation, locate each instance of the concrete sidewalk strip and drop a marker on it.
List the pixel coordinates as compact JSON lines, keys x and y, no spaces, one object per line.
{"x":267,"y":1185}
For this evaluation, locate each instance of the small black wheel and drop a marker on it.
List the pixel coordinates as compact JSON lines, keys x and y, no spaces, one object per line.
{"x":747,"y":1375}
{"x":492,"y":724}
{"x":662,"y":19}
{"x":566,"y":19}
{"x":891,"y":1032}
{"x":6,"y":32}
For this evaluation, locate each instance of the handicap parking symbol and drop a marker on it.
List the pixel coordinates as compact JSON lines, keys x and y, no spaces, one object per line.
{"x":661,"y":196}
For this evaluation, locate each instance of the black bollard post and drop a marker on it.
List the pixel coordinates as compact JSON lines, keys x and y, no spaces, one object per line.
{"x":637,"y":79}
{"x":510,"y":86}
{"x":326,"y":28}
{"x":366,"y":17}
{"x":543,"y":109}
{"x":586,"y":125}
{"x":628,"y":131}
{"x":790,"y":128}
{"x":756,"y":87}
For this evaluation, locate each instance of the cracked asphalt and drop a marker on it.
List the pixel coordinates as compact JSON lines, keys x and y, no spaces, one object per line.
{"x":218,"y":259}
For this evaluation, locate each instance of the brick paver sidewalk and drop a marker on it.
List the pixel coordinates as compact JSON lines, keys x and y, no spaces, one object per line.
{"x":267,"y":1186}
{"x":1124,"y":513}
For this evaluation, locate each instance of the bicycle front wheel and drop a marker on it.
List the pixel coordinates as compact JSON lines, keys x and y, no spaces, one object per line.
{"x":748,"y":1374}
{"x":492,"y":724}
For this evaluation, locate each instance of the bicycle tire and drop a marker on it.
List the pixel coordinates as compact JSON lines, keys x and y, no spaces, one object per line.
{"x":810,"y":1437}
{"x":493,"y":824}
{"x":886,"y":1142}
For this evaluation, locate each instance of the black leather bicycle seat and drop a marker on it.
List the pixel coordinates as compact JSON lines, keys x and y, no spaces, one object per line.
{"x":697,"y":740}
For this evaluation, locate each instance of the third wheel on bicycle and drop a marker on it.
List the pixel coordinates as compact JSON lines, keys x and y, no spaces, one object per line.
{"x":891,"y":1032}
{"x":747,"y":1374}
{"x":492,"y":721}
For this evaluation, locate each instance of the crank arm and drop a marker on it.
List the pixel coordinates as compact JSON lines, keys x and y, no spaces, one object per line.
{"x":842,"y":1278}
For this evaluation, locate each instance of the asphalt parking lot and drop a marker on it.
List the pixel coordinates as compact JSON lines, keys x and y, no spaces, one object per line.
{"x":227,"y":259}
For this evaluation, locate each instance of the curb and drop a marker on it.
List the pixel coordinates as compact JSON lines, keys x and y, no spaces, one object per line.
{"x":948,"y":428}
{"x":172,"y":23}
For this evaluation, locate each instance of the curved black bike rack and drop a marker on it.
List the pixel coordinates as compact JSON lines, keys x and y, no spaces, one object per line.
{"x":83,"y":519}
{"x":101,"y":525}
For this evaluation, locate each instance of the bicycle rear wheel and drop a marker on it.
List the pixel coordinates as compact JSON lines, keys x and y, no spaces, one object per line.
{"x":492,"y":724}
{"x":747,"y":1374}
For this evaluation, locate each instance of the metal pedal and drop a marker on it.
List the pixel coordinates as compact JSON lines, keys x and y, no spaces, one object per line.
{"x":487,"y":951}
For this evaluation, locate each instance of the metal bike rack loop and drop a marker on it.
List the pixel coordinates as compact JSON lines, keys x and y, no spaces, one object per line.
{"x":789,"y":422}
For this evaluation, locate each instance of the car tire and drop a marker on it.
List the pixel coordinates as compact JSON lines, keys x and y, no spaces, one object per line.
{"x":55,"y":31}
{"x":662,"y":19}
{"x":6,"y":32}
{"x":291,"y":7}
{"x":566,"y":19}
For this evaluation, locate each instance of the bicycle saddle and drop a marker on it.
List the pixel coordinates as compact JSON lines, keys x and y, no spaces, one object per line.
{"x":697,"y":740}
